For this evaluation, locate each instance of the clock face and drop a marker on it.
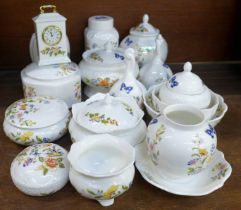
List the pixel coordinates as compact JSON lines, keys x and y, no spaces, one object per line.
{"x":52,"y":35}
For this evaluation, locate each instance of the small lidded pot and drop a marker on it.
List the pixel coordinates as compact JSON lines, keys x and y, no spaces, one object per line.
{"x":40,"y":169}
{"x":36,"y":120}
{"x":102,"y":113}
{"x":180,"y":142}
{"x":185,"y":88}
{"x":142,"y":38}
{"x":61,"y":81}
{"x":101,"y":68}
{"x":101,"y":167}
{"x":100,"y":30}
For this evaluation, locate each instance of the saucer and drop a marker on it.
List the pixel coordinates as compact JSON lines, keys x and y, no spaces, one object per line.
{"x":207,"y":181}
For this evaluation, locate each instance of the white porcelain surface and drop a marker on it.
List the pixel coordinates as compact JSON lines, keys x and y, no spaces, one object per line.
{"x":101,"y":68}
{"x":142,"y":39}
{"x":40,"y":169}
{"x":185,"y":88}
{"x":100,"y":30}
{"x":36,"y":120}
{"x":209,"y":180}
{"x":180,"y":142}
{"x":101,"y":167}
{"x":61,"y":81}
{"x":155,"y":71}
{"x":106,"y":114}
{"x":33,"y":49}
{"x":128,"y":85}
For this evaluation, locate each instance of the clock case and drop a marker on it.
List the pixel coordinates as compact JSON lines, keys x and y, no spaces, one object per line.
{"x":51,"y":53}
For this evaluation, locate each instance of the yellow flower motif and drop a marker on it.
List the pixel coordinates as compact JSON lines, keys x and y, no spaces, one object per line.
{"x":26,"y":136}
{"x":203,"y":152}
{"x":110,"y":192}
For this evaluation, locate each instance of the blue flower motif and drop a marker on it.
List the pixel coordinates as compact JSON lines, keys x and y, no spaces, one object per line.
{"x":165,"y":65}
{"x":45,"y":140}
{"x":117,"y":55}
{"x":173,"y":83}
{"x":128,"y":41}
{"x":210,"y":131}
{"x":153,"y":121}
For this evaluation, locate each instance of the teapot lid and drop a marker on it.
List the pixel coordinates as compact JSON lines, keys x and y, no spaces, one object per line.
{"x":103,"y":113}
{"x":36,"y":112}
{"x":144,"y":28}
{"x":100,"y":22}
{"x":51,"y":72}
{"x":106,"y":56}
{"x":186,"y":82}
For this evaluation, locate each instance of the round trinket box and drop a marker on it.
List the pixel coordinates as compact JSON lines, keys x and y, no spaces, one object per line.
{"x":40,"y":169}
{"x":36,"y":120}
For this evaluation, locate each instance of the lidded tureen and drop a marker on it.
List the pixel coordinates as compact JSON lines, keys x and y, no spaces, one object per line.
{"x":36,"y":120}
{"x":185,"y":88}
{"x":101,"y":68}
{"x":129,"y":85}
{"x":100,"y":30}
{"x":155,"y":71}
{"x":57,"y":80}
{"x":41,"y":169}
{"x":142,"y":39}
{"x":102,"y":113}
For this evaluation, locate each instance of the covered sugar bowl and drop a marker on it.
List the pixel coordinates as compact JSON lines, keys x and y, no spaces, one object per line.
{"x":101,"y":68}
{"x":102,"y":113}
{"x":36,"y":120}
{"x":185,"y":88}
{"x":100,"y":30}
{"x":61,"y":81}
{"x":40,"y":169}
{"x":180,"y":142}
{"x":101,"y":167}
{"x":142,"y":38}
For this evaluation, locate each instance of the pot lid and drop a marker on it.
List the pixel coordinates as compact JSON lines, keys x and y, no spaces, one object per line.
{"x":51,"y":72}
{"x":186,"y":82}
{"x":144,"y":28}
{"x":41,"y":166}
{"x":103,"y":113}
{"x":106,"y":56}
{"x":36,"y":112}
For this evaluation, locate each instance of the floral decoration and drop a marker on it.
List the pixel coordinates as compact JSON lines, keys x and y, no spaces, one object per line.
{"x":152,"y":143}
{"x":219,"y":111}
{"x":200,"y":156}
{"x":221,"y":169}
{"x":29,"y":91}
{"x":153,"y":121}
{"x":126,"y":88}
{"x":112,"y":192}
{"x":77,"y":90}
{"x":141,"y":28}
{"x":96,"y":57}
{"x":46,"y":157}
{"x":128,"y":108}
{"x":100,"y":118}
{"x":66,"y":69}
{"x":105,"y":82}
{"x":52,"y":51}
{"x":118,"y":56}
{"x":173,"y":83}
{"x":128,"y":41}
{"x":22,"y":108}
{"x":210,"y":131}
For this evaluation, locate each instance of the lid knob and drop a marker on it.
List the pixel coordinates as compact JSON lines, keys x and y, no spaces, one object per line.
{"x":187,"y":67}
{"x":107,"y":99}
{"x":159,"y":42}
{"x":108,"y":46}
{"x":145,"y":18}
{"x":130,"y":61}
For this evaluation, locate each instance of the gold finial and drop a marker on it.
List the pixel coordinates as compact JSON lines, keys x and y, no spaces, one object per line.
{"x":43,"y":7}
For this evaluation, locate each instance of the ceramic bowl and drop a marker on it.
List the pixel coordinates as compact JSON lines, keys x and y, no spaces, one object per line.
{"x":101,"y":68}
{"x":41,"y":169}
{"x":101,"y":167}
{"x":118,"y":116}
{"x":36,"y":120}
{"x":61,"y":81}
{"x":220,"y":112}
{"x":142,"y":39}
{"x":179,"y":146}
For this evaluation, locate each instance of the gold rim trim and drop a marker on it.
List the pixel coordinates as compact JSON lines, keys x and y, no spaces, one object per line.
{"x":44,"y":7}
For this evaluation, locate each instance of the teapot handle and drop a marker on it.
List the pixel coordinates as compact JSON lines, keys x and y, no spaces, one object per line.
{"x":43,"y":7}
